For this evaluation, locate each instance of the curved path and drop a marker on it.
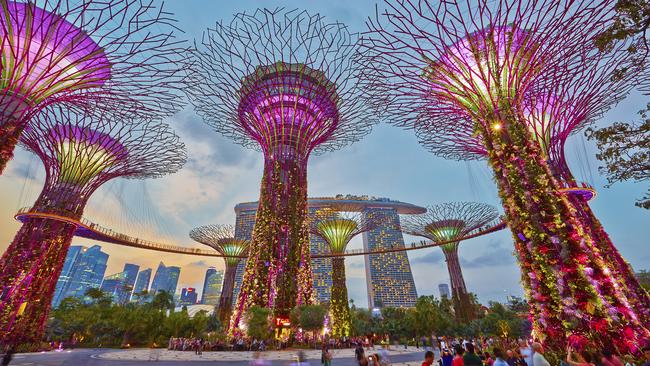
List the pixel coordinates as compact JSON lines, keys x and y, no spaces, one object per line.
{"x":90,"y":230}
{"x":113,"y":357}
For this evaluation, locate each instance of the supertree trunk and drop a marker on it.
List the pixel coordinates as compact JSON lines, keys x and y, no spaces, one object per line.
{"x":460,"y":296}
{"x":620,"y":268}
{"x":567,"y":282}
{"x":225,"y":300}
{"x":30,"y":268}
{"x":9,"y":135}
{"x":339,"y":308}
{"x":278,"y":269}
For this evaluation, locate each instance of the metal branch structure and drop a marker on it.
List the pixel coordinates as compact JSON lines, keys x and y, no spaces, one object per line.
{"x":560,"y":104}
{"x":222,"y":239}
{"x":80,"y":152}
{"x":286,"y":83}
{"x":101,"y":53}
{"x":337,"y":227}
{"x":449,"y":221}
{"x":466,"y":69}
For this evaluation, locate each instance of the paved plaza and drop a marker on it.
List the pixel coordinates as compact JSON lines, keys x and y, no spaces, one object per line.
{"x":111,"y":357}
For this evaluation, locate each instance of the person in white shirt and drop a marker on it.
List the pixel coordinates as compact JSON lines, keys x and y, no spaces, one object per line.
{"x":538,"y":355}
{"x":526,"y":352}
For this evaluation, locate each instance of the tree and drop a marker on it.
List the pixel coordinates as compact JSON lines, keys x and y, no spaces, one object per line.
{"x":625,"y":150}
{"x":163,"y":300}
{"x":632,"y":20}
{"x":258,"y":321}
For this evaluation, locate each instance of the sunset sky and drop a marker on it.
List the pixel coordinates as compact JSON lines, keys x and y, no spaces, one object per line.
{"x":387,"y":163}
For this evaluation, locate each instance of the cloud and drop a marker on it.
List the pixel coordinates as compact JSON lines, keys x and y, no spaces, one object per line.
{"x":433,"y":257}
{"x":495,"y":256}
{"x":201,"y":263}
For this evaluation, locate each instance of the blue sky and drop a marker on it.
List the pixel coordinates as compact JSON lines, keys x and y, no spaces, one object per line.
{"x":387,"y":163}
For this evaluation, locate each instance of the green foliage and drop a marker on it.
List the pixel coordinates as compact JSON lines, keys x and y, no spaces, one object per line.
{"x":308,"y":317}
{"x":625,"y":150}
{"x":631,"y":20}
{"x":100,"y":322}
{"x":258,"y":322}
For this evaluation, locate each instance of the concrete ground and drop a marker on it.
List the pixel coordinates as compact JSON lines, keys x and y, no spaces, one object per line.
{"x":111,"y":357}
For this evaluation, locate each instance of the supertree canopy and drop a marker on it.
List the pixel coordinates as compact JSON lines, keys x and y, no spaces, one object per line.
{"x":86,"y":52}
{"x":477,"y":61}
{"x":284,"y":82}
{"x":222,"y":239}
{"x":80,"y":152}
{"x":561,"y":104}
{"x":448,"y":222}
{"x":337,"y":227}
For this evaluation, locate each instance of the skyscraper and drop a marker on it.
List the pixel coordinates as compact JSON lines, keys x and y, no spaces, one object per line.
{"x":444,"y":291}
{"x":131,"y":271}
{"x":244,"y":222}
{"x":388,"y":275}
{"x":397,"y":287}
{"x":86,"y":270}
{"x":166,"y":278}
{"x":212,"y":286}
{"x":120,"y":285}
{"x":188,"y":296}
{"x":66,"y":273}
{"x":142,"y":282}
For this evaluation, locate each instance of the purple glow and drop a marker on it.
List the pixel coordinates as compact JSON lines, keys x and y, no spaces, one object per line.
{"x":50,"y":54}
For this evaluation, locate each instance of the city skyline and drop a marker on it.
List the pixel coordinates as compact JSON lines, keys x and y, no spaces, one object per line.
{"x":220,"y":174}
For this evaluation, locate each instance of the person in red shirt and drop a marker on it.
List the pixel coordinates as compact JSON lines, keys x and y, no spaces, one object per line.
{"x":458,"y":359}
{"x":428,"y":358}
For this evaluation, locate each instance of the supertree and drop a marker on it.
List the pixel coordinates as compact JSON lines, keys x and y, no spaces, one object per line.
{"x":563,"y":104}
{"x":222,"y":239}
{"x":284,"y":82}
{"x":102,"y":53}
{"x":447,"y":222}
{"x":80,"y":152}
{"x":337,"y":227}
{"x":476,"y":61}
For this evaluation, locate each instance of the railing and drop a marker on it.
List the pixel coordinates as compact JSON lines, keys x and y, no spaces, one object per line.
{"x":90,"y":230}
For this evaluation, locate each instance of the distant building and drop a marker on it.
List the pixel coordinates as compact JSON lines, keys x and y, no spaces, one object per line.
{"x":388,"y":275}
{"x":166,"y":278}
{"x":444,"y":291}
{"x":393,"y":285}
{"x":66,"y":273}
{"x":84,"y":268}
{"x":188,"y":296}
{"x":141,"y":283}
{"x":120,"y":285}
{"x":212,"y":286}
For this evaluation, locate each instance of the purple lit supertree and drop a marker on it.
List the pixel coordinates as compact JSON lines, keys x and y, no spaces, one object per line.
{"x":284,"y":82}
{"x":222,"y":239}
{"x":102,"y":53}
{"x":447,"y":222}
{"x":478,"y":61}
{"x":563,"y":104}
{"x":337,"y":227}
{"x":80,"y":152}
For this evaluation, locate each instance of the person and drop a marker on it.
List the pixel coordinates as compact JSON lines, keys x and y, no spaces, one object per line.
{"x":526,"y":352}
{"x":498,"y":357}
{"x":428,"y":358}
{"x":488,"y":361}
{"x":326,"y":356}
{"x":582,"y":358}
{"x":470,"y":358}
{"x":300,"y":360}
{"x":646,"y":355}
{"x":608,"y":358}
{"x":446,"y":358}
{"x":538,"y":355}
{"x":458,"y":359}
{"x":259,"y":361}
{"x":361,"y":355}
{"x":8,"y":355}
